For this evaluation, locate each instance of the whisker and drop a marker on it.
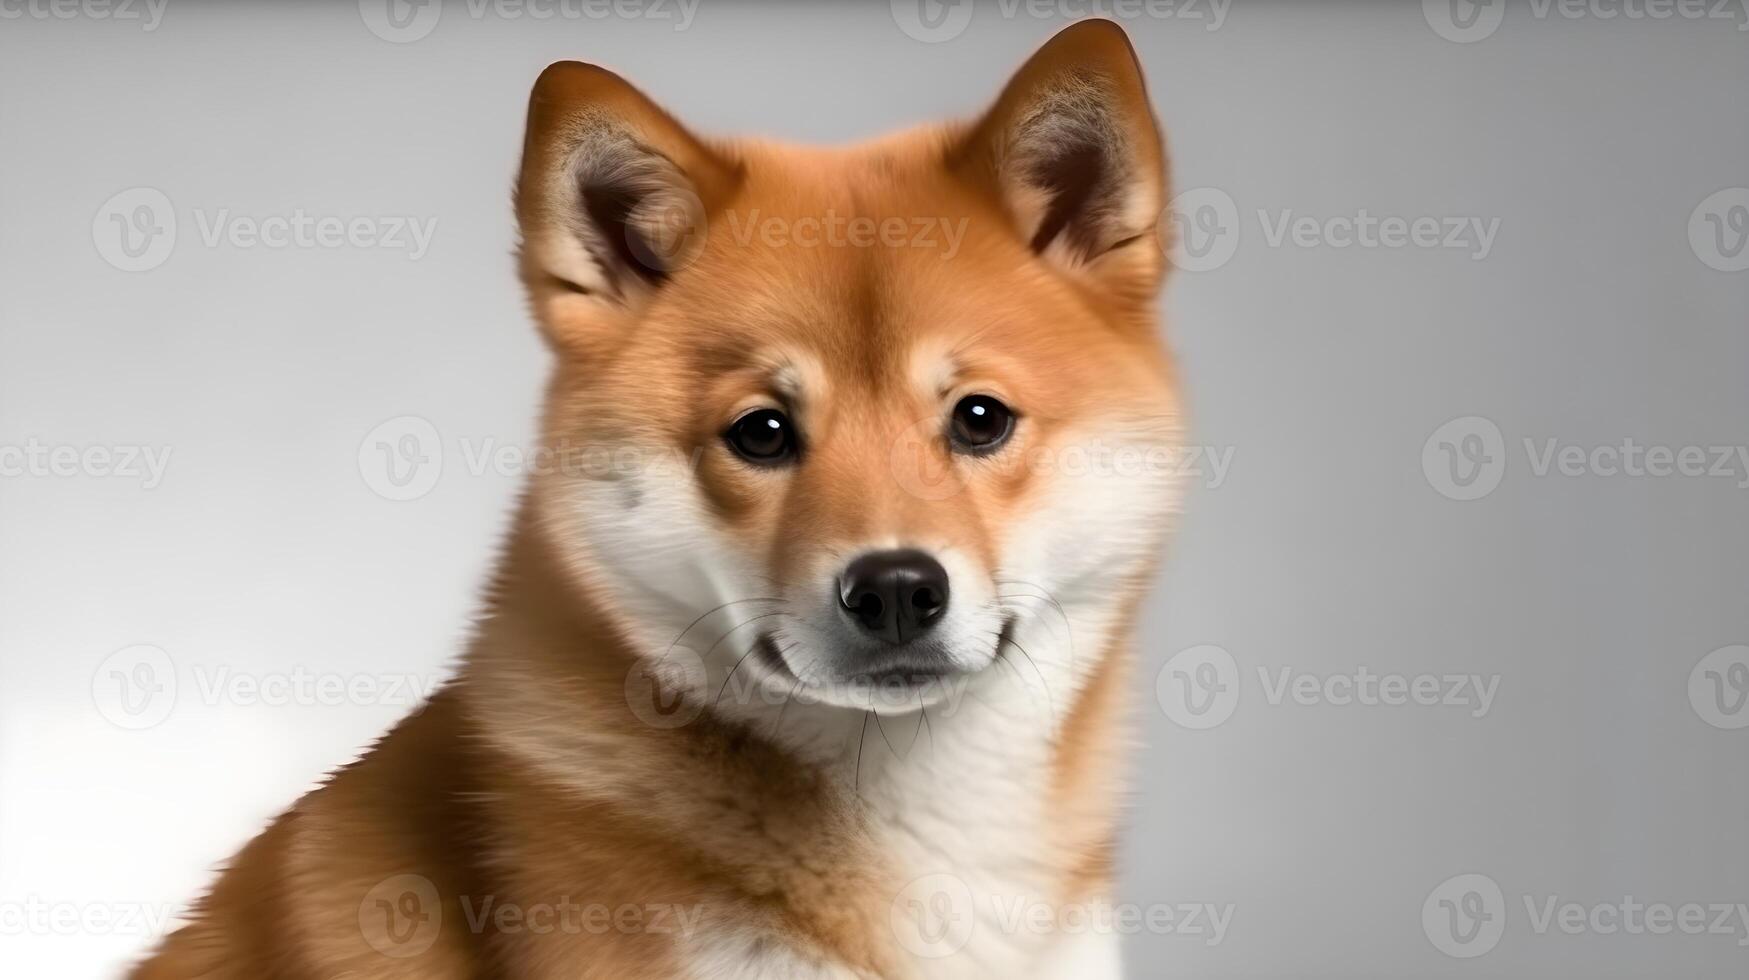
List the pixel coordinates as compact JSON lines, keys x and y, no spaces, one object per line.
{"x":881,"y":727}
{"x":721,"y":690}
{"x":1050,"y":699}
{"x":778,"y":725}
{"x":736,"y":629}
{"x":711,"y":613}
{"x":860,"y":741}
{"x":926,"y":724}
{"x":1031,"y":611}
{"x":1046,"y":597}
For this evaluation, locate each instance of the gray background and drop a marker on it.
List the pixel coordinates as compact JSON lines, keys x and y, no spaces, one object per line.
{"x":1324,"y":370}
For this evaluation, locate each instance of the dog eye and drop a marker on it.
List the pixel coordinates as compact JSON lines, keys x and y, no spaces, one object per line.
{"x":980,"y":424}
{"x":764,"y":436}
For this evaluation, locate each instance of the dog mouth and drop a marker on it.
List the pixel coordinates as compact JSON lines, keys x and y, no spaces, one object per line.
{"x":771,"y":658}
{"x":911,"y":668}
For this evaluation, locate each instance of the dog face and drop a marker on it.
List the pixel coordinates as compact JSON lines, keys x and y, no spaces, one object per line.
{"x":865,"y":406}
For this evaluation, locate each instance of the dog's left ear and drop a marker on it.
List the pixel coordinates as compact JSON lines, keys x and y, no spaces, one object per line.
{"x":1072,"y":152}
{"x":612,"y":201}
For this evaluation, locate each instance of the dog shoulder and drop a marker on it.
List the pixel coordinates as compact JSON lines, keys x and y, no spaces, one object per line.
{"x":358,"y":878}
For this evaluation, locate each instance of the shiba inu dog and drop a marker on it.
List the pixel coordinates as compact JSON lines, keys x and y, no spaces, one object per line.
{"x":806,"y":656}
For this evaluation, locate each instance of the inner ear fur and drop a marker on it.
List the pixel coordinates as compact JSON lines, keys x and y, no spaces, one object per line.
{"x":613,"y":194}
{"x":1072,"y":153}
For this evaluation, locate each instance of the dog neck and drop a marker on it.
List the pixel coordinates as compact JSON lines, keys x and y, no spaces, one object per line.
{"x":1009,"y":782}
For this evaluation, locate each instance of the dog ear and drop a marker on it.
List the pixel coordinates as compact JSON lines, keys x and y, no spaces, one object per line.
{"x":613,"y":196}
{"x":1072,"y":153}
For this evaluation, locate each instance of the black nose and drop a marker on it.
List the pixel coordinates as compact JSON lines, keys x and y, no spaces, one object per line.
{"x":894,"y":595}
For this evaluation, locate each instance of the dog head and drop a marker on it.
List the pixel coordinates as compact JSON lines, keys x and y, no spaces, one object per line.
{"x":859,"y":409}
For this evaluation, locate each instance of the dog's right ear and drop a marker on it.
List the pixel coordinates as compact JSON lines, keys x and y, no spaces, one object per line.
{"x":612,"y":198}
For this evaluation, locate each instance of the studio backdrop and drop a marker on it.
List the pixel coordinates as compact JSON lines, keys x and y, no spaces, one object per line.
{"x":1447,"y":671}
